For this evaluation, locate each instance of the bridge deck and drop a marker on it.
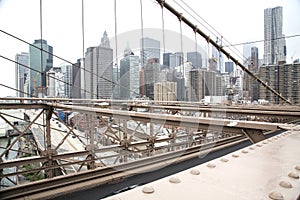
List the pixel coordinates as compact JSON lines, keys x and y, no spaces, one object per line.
{"x":254,"y":172}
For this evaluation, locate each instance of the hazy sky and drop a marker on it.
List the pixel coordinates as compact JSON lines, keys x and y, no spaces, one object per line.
{"x":238,"y":21}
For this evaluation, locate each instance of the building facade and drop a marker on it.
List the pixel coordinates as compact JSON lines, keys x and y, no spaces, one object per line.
{"x":22,"y":72}
{"x":283,"y":78}
{"x":151,"y":75}
{"x":165,"y":91}
{"x":195,"y":58}
{"x":274,"y":40}
{"x":150,"y":48}
{"x":78,"y":81}
{"x":41,"y":62}
{"x":129,"y":75}
{"x":99,"y":70}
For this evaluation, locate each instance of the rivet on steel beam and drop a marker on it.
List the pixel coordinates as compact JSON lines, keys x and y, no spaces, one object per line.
{"x":276,"y":195}
{"x":115,"y":198}
{"x":148,"y":189}
{"x":224,"y":160}
{"x":297,"y":167}
{"x":269,"y":140}
{"x":259,"y":145}
{"x":174,"y":180}
{"x":235,"y":155}
{"x":195,"y":172}
{"x":211,"y":165}
{"x":265,"y":142}
{"x":293,"y":175}
{"x":285,"y":184}
{"x":251,"y":148}
{"x":244,"y":151}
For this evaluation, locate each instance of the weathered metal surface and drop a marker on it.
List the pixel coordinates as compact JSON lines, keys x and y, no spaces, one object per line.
{"x":261,"y":171}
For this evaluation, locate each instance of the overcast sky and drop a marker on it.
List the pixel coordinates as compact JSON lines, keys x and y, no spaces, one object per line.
{"x":238,"y":21}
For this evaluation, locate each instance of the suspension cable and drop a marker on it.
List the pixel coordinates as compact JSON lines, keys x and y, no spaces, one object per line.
{"x":191,"y":25}
{"x":163,"y":26}
{"x":142,"y":32}
{"x":196,"y":45}
{"x":116,"y":38}
{"x":235,"y":50}
{"x":82,"y":28}
{"x":25,"y":66}
{"x":58,"y":57}
{"x":181,"y":45}
{"x":17,"y":90}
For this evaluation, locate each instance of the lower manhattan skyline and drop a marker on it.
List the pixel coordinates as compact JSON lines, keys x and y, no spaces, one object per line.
{"x":66,"y":35}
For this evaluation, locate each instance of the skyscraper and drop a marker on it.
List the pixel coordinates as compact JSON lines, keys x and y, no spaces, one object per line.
{"x":229,"y":67}
{"x":41,"y":61}
{"x":195,"y":58}
{"x":151,"y":75}
{"x":22,"y":60}
{"x":150,"y":48}
{"x":99,"y":70}
{"x":129,"y":75}
{"x":78,"y":79}
{"x":67,"y":71}
{"x":274,"y":44}
{"x":166,"y":60}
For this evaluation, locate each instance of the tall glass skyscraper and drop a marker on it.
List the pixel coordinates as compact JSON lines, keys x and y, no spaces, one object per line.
{"x":274,"y":45}
{"x":129,"y":75}
{"x":195,"y":58}
{"x":22,"y":61}
{"x":41,"y":61}
{"x":150,"y":48}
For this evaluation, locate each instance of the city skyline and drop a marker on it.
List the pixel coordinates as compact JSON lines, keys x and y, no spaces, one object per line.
{"x":120,"y":28}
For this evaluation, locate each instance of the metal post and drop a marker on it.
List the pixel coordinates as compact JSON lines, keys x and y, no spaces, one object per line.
{"x":49,"y":113}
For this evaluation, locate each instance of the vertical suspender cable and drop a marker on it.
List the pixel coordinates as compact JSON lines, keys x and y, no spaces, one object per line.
{"x":41,"y":49}
{"x":163,"y":26}
{"x":116,"y":38}
{"x":235,"y":50}
{"x":191,"y":25}
{"x":83,"y":49}
{"x":142,"y":32}
{"x":181,"y":47}
{"x":196,"y":46}
{"x":42,"y":71}
{"x":82,"y":26}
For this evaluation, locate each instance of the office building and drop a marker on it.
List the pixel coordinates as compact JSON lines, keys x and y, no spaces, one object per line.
{"x":151,"y":76}
{"x":99,"y":70}
{"x":283,"y":78}
{"x":203,"y":83}
{"x":78,"y":81}
{"x":129,"y":75}
{"x":195,"y":58}
{"x":67,"y":71}
{"x":229,"y":68}
{"x":55,"y":81}
{"x":274,"y":40}
{"x":150,"y":48}
{"x":41,"y":61}
{"x":196,"y":88}
{"x":22,"y":72}
{"x":165,"y":91}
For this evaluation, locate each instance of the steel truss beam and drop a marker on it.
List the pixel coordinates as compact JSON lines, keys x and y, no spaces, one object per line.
{"x":174,"y":120}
